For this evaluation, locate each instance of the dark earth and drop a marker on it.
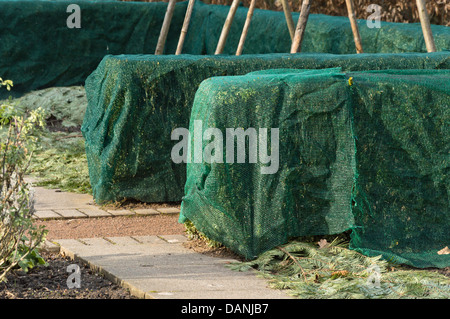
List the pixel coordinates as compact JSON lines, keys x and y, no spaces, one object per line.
{"x":50,"y":282}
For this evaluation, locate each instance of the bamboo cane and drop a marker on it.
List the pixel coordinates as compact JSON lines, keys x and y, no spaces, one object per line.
{"x":185,"y":27}
{"x":251,"y":9}
{"x":289,"y":20}
{"x":165,"y":27}
{"x":301,"y":26}
{"x":226,"y":27}
{"x":355,"y":30}
{"x":425,"y":22}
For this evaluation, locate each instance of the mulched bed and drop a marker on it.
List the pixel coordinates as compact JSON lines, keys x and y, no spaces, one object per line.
{"x":50,"y":282}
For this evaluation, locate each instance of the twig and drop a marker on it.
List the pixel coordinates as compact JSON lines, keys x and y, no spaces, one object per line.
{"x":68,"y":136}
{"x":301,"y":26}
{"x":425,"y":22}
{"x":165,"y":27}
{"x":185,"y":27}
{"x":246,"y":26}
{"x":295,"y":261}
{"x":226,"y":27}
{"x":289,"y":20}
{"x":355,"y":30}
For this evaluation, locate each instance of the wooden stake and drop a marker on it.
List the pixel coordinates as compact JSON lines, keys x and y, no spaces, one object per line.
{"x":355,"y":30}
{"x":289,"y":20}
{"x":246,"y":26}
{"x":425,"y":22}
{"x":185,"y":27}
{"x":226,"y":27}
{"x":165,"y":27}
{"x":301,"y":26}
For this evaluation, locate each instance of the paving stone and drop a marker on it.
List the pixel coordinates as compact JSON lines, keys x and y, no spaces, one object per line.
{"x":123,"y":241}
{"x":70,"y":213}
{"x":49,"y":247}
{"x":149,"y":239}
{"x":46,"y":214}
{"x":94,"y":212}
{"x":70,"y":247}
{"x":120,"y":212}
{"x":169,"y":210}
{"x":146,"y":211}
{"x":95,"y":241}
{"x":167,"y":270}
{"x":174,"y":238}
{"x":51,"y":199}
{"x":70,"y":243}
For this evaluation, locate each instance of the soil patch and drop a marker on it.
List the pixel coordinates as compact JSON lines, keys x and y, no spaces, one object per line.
{"x":54,"y":124}
{"x":50,"y":282}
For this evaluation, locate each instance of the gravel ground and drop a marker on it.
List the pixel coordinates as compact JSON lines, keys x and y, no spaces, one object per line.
{"x":113,"y":226}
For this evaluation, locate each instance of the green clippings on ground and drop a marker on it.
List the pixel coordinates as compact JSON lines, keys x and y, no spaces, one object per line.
{"x":66,"y":105}
{"x":331,"y":270}
{"x":60,"y":162}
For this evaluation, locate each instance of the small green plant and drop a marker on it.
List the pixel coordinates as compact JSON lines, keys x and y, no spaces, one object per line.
{"x":6,"y":109}
{"x":19,"y":237}
{"x":31,"y":258}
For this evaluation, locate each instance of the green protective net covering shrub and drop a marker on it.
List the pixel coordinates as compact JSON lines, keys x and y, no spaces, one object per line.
{"x":38,"y":49}
{"x":136,"y":101}
{"x":402,"y":189}
{"x":367,"y":151}
{"x":252,"y":207}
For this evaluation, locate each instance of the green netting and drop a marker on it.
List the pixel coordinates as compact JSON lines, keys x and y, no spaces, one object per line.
{"x":38,"y":50}
{"x":308,"y":194}
{"x":135,"y":102}
{"x":402,"y":137}
{"x":372,"y":157}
